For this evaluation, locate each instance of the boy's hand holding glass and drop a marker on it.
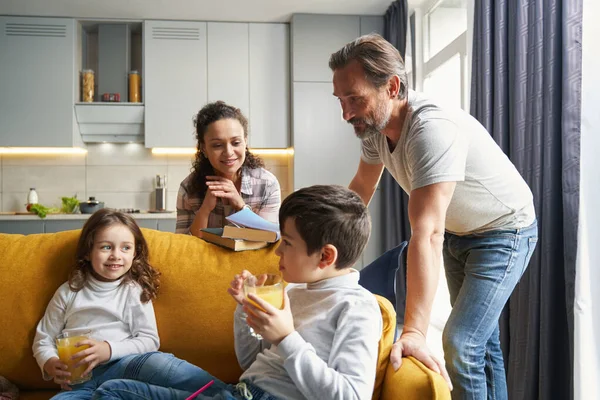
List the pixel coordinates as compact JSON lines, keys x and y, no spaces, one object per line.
{"x":237,"y":286}
{"x":271,"y":323}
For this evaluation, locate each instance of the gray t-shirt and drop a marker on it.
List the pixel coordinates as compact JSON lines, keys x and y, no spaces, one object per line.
{"x":449,"y":145}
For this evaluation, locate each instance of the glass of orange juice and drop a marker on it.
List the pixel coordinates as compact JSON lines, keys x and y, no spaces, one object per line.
{"x":66,"y":344}
{"x":268,"y":287}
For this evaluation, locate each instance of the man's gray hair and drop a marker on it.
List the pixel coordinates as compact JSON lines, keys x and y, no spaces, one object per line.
{"x":379,"y":59}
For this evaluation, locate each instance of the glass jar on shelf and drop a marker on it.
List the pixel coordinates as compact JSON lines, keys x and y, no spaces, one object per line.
{"x":87,"y":85}
{"x":134,"y":87}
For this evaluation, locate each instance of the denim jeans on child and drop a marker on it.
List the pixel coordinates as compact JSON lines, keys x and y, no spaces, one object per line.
{"x":102,"y":373}
{"x":482,"y":270}
{"x":162,"y":376}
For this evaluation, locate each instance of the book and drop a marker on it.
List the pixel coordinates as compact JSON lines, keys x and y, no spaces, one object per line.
{"x":256,"y":235}
{"x":215,"y":236}
{"x":249,"y":226}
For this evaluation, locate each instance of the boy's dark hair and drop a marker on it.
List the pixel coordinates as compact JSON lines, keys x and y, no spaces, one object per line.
{"x":141,"y":271}
{"x":329,"y":214}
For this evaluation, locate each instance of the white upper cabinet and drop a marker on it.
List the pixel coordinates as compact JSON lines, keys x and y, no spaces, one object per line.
{"x":269,"y":85}
{"x":371,"y":25}
{"x":228,"y":64}
{"x":175,"y":85}
{"x":37,"y":82}
{"x":314,"y":39}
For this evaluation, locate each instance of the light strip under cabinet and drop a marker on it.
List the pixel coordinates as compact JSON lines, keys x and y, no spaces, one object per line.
{"x":42,"y":150}
{"x":192,"y":150}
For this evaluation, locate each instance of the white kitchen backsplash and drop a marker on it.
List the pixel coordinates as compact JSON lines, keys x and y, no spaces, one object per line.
{"x":121,"y":175}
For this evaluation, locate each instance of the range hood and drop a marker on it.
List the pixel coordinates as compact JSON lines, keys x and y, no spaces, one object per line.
{"x":110,"y":122}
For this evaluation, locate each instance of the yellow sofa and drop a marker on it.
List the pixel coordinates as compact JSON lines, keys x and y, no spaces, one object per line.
{"x":193,"y":310}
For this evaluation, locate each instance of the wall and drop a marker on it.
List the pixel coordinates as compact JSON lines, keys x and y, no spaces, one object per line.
{"x":121,"y":175}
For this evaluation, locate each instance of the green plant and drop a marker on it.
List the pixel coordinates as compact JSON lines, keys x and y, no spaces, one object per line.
{"x":41,"y":211}
{"x":69,"y":204}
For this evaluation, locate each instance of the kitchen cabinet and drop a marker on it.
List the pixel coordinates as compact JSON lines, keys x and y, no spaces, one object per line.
{"x":326,"y":150}
{"x":314,"y":39}
{"x":228,"y":64}
{"x":175,"y":82}
{"x":166,"y":225}
{"x":371,"y":25}
{"x":54,"y":224}
{"x":38,"y":82}
{"x":269,"y":85}
{"x":22,"y":227}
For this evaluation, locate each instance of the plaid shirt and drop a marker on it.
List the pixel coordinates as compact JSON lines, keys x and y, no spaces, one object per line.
{"x":260,"y":190}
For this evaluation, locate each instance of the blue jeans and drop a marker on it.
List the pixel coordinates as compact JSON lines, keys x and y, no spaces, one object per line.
{"x":155,"y":368}
{"x":100,"y":374}
{"x":482,"y":270}
{"x":163,"y":377}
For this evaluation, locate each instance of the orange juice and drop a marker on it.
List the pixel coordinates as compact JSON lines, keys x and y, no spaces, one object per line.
{"x":272,"y":295}
{"x":66,"y":350}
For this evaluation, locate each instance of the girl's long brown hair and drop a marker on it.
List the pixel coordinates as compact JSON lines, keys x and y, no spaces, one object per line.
{"x":141,"y":271}
{"x":201,"y":167}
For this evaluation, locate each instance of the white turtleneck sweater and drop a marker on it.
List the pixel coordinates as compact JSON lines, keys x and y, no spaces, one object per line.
{"x":332,"y":354}
{"x":113,"y":312}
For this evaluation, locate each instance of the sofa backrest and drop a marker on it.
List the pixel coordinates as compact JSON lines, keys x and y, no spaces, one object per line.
{"x":194,"y":311}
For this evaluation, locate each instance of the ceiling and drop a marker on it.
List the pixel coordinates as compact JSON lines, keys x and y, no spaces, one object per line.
{"x":206,"y":10}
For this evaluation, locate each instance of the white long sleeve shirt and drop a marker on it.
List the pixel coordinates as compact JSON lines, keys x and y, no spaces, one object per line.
{"x":333,"y":352}
{"x":113,"y":312}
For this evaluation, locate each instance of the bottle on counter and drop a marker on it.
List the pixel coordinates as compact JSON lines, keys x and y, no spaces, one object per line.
{"x":32,"y":197}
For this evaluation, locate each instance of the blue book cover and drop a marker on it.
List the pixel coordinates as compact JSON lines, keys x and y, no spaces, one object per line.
{"x":246,"y":218}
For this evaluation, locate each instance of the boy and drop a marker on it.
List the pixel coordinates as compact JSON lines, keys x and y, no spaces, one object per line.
{"x":323,"y":344}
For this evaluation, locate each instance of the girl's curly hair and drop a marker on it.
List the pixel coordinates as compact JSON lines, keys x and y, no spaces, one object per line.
{"x":141,"y":271}
{"x":201,"y":167}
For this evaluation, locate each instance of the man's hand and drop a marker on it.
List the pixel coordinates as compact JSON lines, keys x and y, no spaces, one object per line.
{"x":97,"y":353}
{"x":413,"y":344}
{"x":272,"y":324}
{"x":58,"y":371}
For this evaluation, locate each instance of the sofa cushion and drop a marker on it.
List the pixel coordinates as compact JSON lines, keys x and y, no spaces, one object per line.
{"x":385,"y":343}
{"x":194,"y":312}
{"x":31,"y":269}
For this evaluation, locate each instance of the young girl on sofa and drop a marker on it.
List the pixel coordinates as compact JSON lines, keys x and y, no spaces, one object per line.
{"x":110,"y":292}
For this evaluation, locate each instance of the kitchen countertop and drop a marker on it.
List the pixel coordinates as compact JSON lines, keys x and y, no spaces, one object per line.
{"x":59,"y":217}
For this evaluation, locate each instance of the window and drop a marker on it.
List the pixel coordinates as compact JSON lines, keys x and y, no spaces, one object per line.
{"x":444,"y":44}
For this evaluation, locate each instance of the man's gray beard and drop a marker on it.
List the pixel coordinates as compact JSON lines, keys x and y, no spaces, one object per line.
{"x":372,"y":129}
{"x":369,"y":131}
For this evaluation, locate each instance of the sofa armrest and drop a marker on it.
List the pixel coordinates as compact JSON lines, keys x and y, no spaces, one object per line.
{"x":413,"y":381}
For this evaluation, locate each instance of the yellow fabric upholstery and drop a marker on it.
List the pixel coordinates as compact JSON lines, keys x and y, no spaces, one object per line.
{"x":193,"y":310}
{"x":385,"y":343}
{"x":413,"y":381}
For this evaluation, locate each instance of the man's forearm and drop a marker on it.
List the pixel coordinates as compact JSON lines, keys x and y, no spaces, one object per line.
{"x":365,"y":193}
{"x":424,"y":255}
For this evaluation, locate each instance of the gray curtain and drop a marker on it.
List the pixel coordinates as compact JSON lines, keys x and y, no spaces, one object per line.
{"x":396,"y":227}
{"x":526,"y":91}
